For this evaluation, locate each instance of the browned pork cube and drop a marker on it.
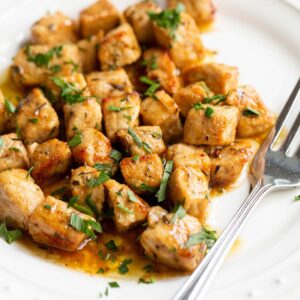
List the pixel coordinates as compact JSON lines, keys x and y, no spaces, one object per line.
{"x":101,"y":15}
{"x":106,"y":84}
{"x":255,"y":117}
{"x":36,"y":119}
{"x":211,"y":125}
{"x":137,"y":16}
{"x":120,"y":113}
{"x":161,"y":68}
{"x":50,"y":225}
{"x":150,"y":138}
{"x":50,"y":158}
{"x":129,"y":209}
{"x":162,"y":111}
{"x":219,"y":78}
{"x":139,"y":171}
{"x":166,"y":240}
{"x":119,"y":48}
{"x":54,"y":29}
{"x":187,"y":96}
{"x":12,"y":153}
{"x":19,"y":196}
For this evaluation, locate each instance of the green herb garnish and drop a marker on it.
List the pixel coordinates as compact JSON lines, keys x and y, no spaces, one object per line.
{"x":249,"y":112}
{"x":135,"y":158}
{"x":47,"y":206}
{"x":179,"y":213}
{"x":148,"y":268}
{"x":107,"y":168}
{"x":111,"y":245}
{"x":153,"y":86}
{"x":88,"y":226}
{"x":59,"y":191}
{"x":219,"y":98}
{"x":132,"y":197}
{"x":138,"y":141}
{"x":76,"y":140}
{"x":33,"y":120}
{"x":198,"y":106}
{"x":9,"y":235}
{"x":93,"y":182}
{"x":204,"y":236}
{"x":161,"y":193}
{"x":10,"y":108}
{"x":29,"y":172}
{"x":297,"y":198}
{"x":116,"y":155}
{"x":14,"y":149}
{"x":1,"y":142}
{"x":124,"y":209}
{"x":91,"y":204}
{"x":123,"y":267}
{"x":209,"y":112}
{"x":113,"y":284}
{"x":146,"y":187}
{"x":117,"y":108}
{"x":147,"y":280}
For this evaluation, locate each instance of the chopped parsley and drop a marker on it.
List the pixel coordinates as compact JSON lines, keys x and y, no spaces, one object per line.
{"x":132,"y":197}
{"x":209,"y":112}
{"x":1,"y":142}
{"x":113,"y":284}
{"x":111,"y":245}
{"x":148,"y":268}
{"x":117,"y":108}
{"x":147,"y":280}
{"x":168,"y":19}
{"x":107,"y":168}
{"x":88,"y":226}
{"x":146,"y":187}
{"x":153,"y":86}
{"x":297,"y":198}
{"x":123,"y":267}
{"x":47,"y":206}
{"x":91,"y":204}
{"x":250,"y":112}
{"x":156,"y":135}
{"x":198,"y":106}
{"x":219,"y":98}
{"x":33,"y":120}
{"x":100,"y":271}
{"x":73,"y":200}
{"x":55,"y":68}
{"x":204,"y":236}
{"x":161,"y":193}
{"x":43,"y":59}
{"x":29,"y":172}
{"x":124,"y":209}
{"x":93,"y":182}
{"x":152,"y":63}
{"x":10,"y":108}
{"x":135,"y":158}
{"x":73,"y":203}
{"x":76,"y":140}
{"x":138,"y":141}
{"x":59,"y":191}
{"x":14,"y":149}
{"x":116,"y":155}
{"x":179,"y":213}
{"x":9,"y":235}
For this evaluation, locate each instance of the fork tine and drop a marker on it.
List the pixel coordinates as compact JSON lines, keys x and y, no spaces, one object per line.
{"x":291,"y":136}
{"x":286,"y":111}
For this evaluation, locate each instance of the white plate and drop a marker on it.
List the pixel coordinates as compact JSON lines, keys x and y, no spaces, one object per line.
{"x":262,"y":39}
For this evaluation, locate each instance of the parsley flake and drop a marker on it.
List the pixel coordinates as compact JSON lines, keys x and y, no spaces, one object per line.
{"x":204,"y":236}
{"x":153,"y":86}
{"x":209,"y":112}
{"x":179,"y":213}
{"x":10,"y":108}
{"x":88,"y":226}
{"x":124,"y":209}
{"x":9,"y":235}
{"x":113,"y":284}
{"x":161,"y":193}
{"x":123,"y":267}
{"x":250,"y":112}
{"x":93,"y":182}
{"x":75,"y":141}
{"x":116,"y":155}
{"x":111,"y":245}
{"x":138,"y":141}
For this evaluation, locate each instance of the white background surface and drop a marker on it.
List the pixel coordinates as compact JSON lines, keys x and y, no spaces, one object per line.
{"x":262,"y":38}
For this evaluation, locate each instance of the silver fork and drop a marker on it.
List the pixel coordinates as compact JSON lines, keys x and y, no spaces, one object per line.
{"x":271,"y":170}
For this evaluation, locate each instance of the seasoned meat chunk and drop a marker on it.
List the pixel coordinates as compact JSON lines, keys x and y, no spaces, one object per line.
{"x":50,"y":225}
{"x":28,"y":70}
{"x":255,"y":117}
{"x":137,"y":16}
{"x":129,"y":209}
{"x":12,"y":153}
{"x":88,"y":50}
{"x":150,"y":137}
{"x":189,"y":186}
{"x":219,"y":78}
{"x":89,"y":193}
{"x":211,"y":125}
{"x":114,"y":83}
{"x":50,"y":158}
{"x":93,"y":147}
{"x":19,"y":196}
{"x":119,"y":48}
{"x":3,"y":115}
{"x":162,"y":111}
{"x":120,"y":113}
{"x":165,"y":241}
{"x":184,"y":43}
{"x":227,"y":163}
{"x":54,"y":29}
{"x":189,"y":156}
{"x":101,"y":15}
{"x":162,"y":69}
{"x":134,"y":72}
{"x":37,"y":120}
{"x":142,"y":170}
{"x":202,"y":11}
{"x":82,"y":115}
{"x":155,"y":214}
{"x":187,"y":96}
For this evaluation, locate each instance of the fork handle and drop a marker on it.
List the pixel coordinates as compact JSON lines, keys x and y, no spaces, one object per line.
{"x":196,"y":286}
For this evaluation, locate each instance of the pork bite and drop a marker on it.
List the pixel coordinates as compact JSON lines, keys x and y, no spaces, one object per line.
{"x":189,"y":187}
{"x":161,"y":110}
{"x":219,"y":78}
{"x":49,"y":159}
{"x":19,"y":196}
{"x":101,"y":15}
{"x":119,"y":48}
{"x":142,"y":140}
{"x":114,"y":83}
{"x":166,"y":240}
{"x":13,"y":154}
{"x":211,"y":125}
{"x":129,"y":209}
{"x":255,"y":117}
{"x":32,"y":65}
{"x":182,"y":40}
{"x":80,"y":116}
{"x":50,"y":225}
{"x":137,"y":16}
{"x":227,"y":163}
{"x":36,"y":119}
{"x":160,"y":68}
{"x":84,"y":185}
{"x":184,"y":155}
{"x":54,"y":29}
{"x":120,"y":113}
{"x":139,"y":171}
{"x":191,"y":94}
{"x":90,"y":147}
{"x":202,"y":11}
